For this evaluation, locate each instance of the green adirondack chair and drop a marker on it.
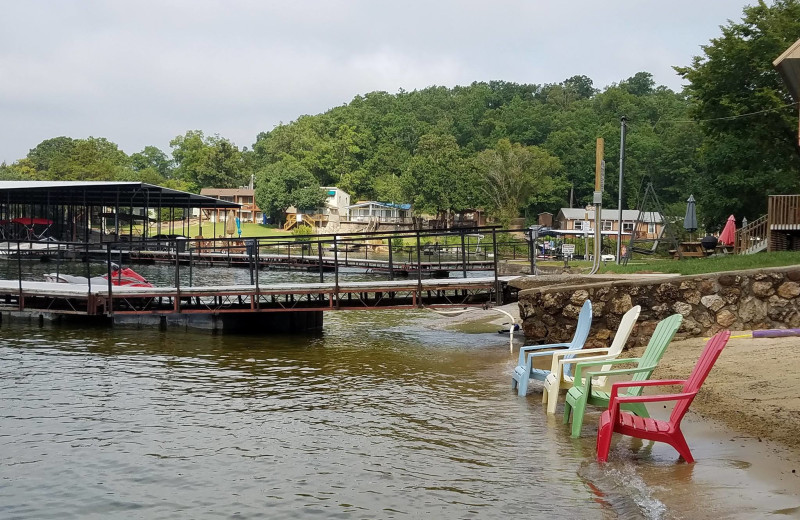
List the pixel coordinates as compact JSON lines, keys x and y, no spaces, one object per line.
{"x":582,"y":393}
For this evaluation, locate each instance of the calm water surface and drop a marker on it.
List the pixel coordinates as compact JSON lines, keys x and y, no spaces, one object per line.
{"x":379,"y":416}
{"x":375,"y":418}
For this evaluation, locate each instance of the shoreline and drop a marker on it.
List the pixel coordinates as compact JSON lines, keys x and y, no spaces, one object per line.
{"x":749,"y":389}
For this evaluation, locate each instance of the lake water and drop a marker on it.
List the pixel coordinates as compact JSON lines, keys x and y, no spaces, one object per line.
{"x":379,"y":416}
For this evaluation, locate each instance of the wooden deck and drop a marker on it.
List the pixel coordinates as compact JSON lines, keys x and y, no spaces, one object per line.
{"x":307,"y":262}
{"x":68,"y":299}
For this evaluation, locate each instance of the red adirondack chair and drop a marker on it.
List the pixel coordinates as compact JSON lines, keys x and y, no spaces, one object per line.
{"x":669,"y":431}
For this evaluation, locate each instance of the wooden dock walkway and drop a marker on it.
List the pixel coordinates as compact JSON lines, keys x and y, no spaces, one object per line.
{"x":302,"y":262}
{"x":68,"y":299}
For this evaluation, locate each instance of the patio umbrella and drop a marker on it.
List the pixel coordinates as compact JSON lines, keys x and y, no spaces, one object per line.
{"x":230,"y":224}
{"x":728,"y":234}
{"x":690,"y":220}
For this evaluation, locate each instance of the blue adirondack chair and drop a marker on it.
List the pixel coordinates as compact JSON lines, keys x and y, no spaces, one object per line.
{"x":524,"y":371}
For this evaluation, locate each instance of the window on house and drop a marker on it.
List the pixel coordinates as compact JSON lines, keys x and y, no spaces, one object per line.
{"x":651,"y":227}
{"x":578,"y":225}
{"x":608,"y":225}
{"x":627,"y":227}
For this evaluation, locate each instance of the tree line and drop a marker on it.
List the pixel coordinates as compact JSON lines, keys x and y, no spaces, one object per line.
{"x":729,"y":137}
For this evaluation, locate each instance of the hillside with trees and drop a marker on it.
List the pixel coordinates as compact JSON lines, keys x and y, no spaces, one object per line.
{"x":729,"y":138}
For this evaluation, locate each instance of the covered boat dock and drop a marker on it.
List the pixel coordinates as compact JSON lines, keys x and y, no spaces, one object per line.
{"x":97,"y":211}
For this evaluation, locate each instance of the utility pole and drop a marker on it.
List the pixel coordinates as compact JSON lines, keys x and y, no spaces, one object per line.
{"x":599,"y":183}
{"x":622,"y":129}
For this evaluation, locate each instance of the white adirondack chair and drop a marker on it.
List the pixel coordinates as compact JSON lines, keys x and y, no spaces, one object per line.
{"x":558,"y":379}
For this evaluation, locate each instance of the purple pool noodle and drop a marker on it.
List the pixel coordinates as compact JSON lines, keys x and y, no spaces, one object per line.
{"x":775,"y":333}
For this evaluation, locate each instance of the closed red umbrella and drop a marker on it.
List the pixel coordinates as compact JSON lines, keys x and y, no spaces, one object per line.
{"x":728,"y":234}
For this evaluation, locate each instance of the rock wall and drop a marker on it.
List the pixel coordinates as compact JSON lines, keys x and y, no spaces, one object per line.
{"x":736,"y":300}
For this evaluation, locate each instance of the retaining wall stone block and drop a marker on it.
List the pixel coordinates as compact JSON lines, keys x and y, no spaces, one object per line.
{"x":725,"y":318}
{"x":762,"y":289}
{"x":578,"y":297}
{"x":712,"y":302}
{"x":667,"y":292}
{"x":789,"y":290}
{"x":692,"y":296}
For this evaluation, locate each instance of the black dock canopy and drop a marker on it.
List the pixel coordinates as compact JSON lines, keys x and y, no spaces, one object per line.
{"x":88,"y":193}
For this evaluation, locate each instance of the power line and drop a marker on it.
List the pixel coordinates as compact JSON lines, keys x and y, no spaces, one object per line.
{"x":729,"y":118}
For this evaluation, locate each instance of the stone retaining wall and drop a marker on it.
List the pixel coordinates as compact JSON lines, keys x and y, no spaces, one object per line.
{"x":735,"y":300}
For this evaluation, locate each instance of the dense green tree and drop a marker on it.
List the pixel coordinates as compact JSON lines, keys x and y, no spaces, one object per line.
{"x":515,"y":176}
{"x":436,"y":179}
{"x":152,"y":158}
{"x":50,"y":157}
{"x":208,"y":161}
{"x":21,"y":170}
{"x":745,"y":113}
{"x":96,"y":159}
{"x":286,"y":183}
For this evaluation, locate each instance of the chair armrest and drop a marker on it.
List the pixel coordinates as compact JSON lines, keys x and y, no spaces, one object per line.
{"x":590,"y":375}
{"x":653,"y":382}
{"x":582,"y":365}
{"x":558,"y":364}
{"x":653,"y":398}
{"x":615,"y":401}
{"x":562,"y":353}
{"x":528,"y":348}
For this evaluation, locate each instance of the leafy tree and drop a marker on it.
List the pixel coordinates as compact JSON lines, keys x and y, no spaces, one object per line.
{"x":152,"y":158}
{"x":208,"y":161}
{"x":21,"y":170}
{"x":744,"y":110}
{"x":97,"y":159}
{"x":516,"y":176}
{"x":286,"y":183}
{"x":436,"y":179}
{"x":51,"y":156}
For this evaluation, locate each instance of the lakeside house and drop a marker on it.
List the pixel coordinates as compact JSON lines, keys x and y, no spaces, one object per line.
{"x":380,"y":212}
{"x":326,"y":218}
{"x":249,"y":211}
{"x":581,"y":220}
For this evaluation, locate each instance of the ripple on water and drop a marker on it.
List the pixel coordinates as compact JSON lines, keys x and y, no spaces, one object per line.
{"x":362,"y":421}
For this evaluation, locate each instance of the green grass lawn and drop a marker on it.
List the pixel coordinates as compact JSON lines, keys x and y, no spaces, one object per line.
{"x":711,"y":264}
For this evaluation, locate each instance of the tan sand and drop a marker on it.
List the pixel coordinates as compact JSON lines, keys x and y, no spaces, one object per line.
{"x":753,"y":388}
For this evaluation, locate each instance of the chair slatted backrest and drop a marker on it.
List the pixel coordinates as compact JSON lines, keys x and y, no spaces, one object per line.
{"x":581,"y":332}
{"x":700,"y":372}
{"x":621,"y":337}
{"x":665,"y":331}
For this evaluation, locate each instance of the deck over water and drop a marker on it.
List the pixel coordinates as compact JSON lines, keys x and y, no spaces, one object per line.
{"x":61,"y":298}
{"x":309,"y":262}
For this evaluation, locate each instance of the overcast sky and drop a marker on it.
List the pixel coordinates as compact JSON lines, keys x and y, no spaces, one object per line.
{"x":141,"y":72}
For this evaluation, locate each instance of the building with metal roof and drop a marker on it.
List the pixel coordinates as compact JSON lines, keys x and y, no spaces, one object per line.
{"x":78,"y":209}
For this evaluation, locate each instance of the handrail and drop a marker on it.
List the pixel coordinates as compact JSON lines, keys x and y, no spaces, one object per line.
{"x":755,"y":231}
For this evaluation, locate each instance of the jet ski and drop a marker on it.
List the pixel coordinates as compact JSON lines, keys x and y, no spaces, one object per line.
{"x":121,"y":277}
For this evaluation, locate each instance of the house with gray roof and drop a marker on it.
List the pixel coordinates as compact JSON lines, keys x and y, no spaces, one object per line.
{"x":579,"y":220}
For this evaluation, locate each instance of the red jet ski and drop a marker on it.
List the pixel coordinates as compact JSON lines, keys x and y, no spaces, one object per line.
{"x":120,"y":277}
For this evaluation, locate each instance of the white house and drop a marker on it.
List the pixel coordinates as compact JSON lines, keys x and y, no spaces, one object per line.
{"x":336,"y":203}
{"x":382,"y":212}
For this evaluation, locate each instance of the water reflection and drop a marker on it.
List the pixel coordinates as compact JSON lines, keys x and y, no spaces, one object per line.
{"x":378,"y":417}
{"x":361,"y":421}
